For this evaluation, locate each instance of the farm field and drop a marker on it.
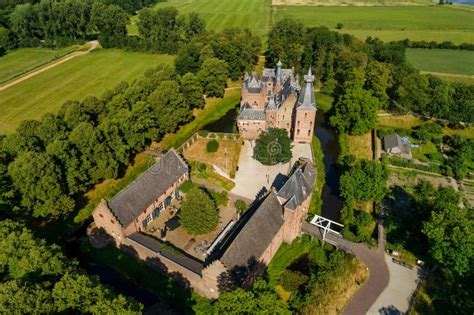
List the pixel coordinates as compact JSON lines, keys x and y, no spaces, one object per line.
{"x":220,"y":14}
{"x":442,"y":60}
{"x":388,"y":22}
{"x":87,"y":75}
{"x":22,"y":60}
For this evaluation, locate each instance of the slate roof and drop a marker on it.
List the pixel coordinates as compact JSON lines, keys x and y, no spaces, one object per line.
{"x":392,"y":141}
{"x":257,"y":233}
{"x":299,"y":186}
{"x":182,"y":259}
{"x":252,"y":114}
{"x":395,"y":141}
{"x":306,"y":98}
{"x":131,"y":201}
{"x":269,"y":74}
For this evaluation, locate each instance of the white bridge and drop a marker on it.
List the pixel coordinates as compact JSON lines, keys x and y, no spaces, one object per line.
{"x":324,"y":229}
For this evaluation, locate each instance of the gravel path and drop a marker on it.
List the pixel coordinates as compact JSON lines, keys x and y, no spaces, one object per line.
{"x":94,"y":45}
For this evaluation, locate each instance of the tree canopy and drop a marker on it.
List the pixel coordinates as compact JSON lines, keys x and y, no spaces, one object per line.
{"x":199,"y":214}
{"x":38,"y":278}
{"x":364,"y":181}
{"x":273,"y":147}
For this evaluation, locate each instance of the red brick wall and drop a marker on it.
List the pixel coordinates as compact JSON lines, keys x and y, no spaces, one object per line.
{"x":304,"y":125}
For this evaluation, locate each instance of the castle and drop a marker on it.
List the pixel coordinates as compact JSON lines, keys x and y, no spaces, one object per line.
{"x":256,"y":236}
{"x":275,"y":101}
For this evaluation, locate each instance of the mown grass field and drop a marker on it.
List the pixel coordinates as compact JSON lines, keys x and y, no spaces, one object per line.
{"x":220,"y":14}
{"x":442,"y":60}
{"x":87,"y":75}
{"x":389,"y":22}
{"x":21,"y":60}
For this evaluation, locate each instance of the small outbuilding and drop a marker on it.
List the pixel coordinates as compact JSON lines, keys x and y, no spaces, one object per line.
{"x":393,"y":144}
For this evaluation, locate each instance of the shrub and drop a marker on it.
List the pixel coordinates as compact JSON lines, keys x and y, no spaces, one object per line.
{"x":199,"y":214}
{"x":203,"y":133}
{"x":339,"y":26}
{"x":220,"y":198}
{"x":212,"y":146}
{"x":292,"y":280}
{"x":186,"y":186}
{"x":241,"y":205}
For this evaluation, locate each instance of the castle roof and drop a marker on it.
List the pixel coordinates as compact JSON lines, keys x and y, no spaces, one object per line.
{"x":251,"y":114}
{"x":131,"y":201}
{"x":299,"y":186}
{"x":257,"y":233}
{"x":306,"y":98}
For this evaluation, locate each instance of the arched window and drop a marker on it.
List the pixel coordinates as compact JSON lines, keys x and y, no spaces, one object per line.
{"x":305,"y":115}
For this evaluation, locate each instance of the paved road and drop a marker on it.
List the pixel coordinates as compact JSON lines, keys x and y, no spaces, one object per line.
{"x":94,"y":45}
{"x":374,"y":260}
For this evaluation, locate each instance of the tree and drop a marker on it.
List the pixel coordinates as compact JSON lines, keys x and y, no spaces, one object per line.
{"x":292,"y":280}
{"x":429,"y":132}
{"x":286,"y":41}
{"x":111,"y":22}
{"x":273,"y":147}
{"x":213,"y":77}
{"x":192,"y":91}
{"x":170,"y":105}
{"x":450,"y":232}
{"x":364,"y":181}
{"x":377,"y":76}
{"x":261,"y":299}
{"x":199,"y":214}
{"x":355,"y":112}
{"x":194,"y":26}
{"x":39,"y":179}
{"x":22,"y":255}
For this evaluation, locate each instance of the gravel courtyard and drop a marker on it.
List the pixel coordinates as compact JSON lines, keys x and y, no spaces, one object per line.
{"x":253,"y":177}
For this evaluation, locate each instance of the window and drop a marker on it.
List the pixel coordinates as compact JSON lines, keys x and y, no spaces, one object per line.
{"x":112,"y":221}
{"x":100,"y":215}
{"x":298,"y":132}
{"x":298,"y":123}
{"x":283,"y":117}
{"x":309,"y":132}
{"x":305,"y":115}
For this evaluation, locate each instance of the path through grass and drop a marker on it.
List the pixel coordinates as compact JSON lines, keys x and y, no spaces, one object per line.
{"x":87,"y":75}
{"x":19,"y":61}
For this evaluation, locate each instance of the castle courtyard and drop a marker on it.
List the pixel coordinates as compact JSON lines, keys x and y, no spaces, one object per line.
{"x":253,"y":177}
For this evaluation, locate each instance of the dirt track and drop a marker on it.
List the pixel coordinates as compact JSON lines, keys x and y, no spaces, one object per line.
{"x":94,"y":45}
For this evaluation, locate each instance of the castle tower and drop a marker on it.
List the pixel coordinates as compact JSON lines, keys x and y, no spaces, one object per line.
{"x":278,"y":77}
{"x":271,"y":112}
{"x":305,"y":111}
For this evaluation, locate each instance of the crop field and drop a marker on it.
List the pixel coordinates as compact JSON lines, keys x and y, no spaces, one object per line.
{"x":442,"y":60}
{"x":220,"y":14}
{"x":87,"y":75}
{"x":389,"y":22}
{"x":21,"y":60}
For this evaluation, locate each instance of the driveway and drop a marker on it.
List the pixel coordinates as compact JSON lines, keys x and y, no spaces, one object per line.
{"x":396,"y":296}
{"x":253,"y":178}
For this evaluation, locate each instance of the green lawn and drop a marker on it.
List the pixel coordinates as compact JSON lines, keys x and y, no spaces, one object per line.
{"x":87,"y":75}
{"x":442,"y":60}
{"x":19,"y":61}
{"x":389,"y":23}
{"x":220,"y":14}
